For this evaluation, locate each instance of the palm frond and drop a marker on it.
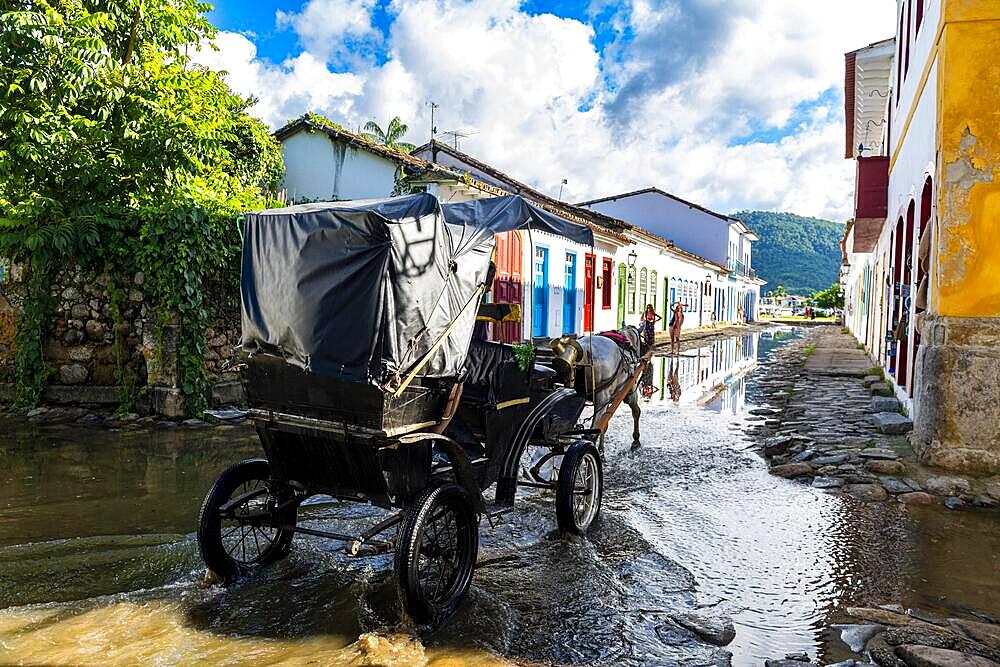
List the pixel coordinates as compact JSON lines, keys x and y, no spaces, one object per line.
{"x":373,"y":127}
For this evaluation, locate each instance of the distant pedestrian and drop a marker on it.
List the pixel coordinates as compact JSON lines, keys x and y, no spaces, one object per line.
{"x":646,"y":326}
{"x":812,"y":313}
{"x":676,"y":322}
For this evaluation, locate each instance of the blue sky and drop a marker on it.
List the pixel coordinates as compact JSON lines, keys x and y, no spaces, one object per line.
{"x":731,"y":103}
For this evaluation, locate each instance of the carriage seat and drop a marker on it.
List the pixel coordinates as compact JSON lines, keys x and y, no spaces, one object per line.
{"x":492,"y":375}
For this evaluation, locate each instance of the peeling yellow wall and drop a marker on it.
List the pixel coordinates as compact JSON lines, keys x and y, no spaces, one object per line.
{"x":969,"y":150}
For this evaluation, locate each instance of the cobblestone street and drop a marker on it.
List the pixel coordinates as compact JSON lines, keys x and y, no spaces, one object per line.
{"x":829,"y":424}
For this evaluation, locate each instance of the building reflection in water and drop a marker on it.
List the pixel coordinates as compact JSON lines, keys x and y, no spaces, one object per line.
{"x":712,"y":375}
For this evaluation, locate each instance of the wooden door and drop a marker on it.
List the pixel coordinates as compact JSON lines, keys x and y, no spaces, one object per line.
{"x":622,"y":281}
{"x":540,"y":295}
{"x":569,"y":295}
{"x":588,"y":292}
{"x":508,"y":285}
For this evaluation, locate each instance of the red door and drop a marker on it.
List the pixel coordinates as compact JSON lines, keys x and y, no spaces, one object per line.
{"x":588,"y":289}
{"x":507,"y":287}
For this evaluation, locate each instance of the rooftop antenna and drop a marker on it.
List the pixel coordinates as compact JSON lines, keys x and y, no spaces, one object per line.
{"x":459,"y":134}
{"x":433,"y":127}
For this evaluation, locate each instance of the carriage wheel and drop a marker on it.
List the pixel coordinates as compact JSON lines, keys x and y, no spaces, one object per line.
{"x":579,"y":490}
{"x":248,"y":534}
{"x":436,"y":553}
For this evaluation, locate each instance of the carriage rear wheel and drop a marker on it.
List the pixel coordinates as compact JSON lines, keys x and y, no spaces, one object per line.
{"x":239,"y":526}
{"x":436,"y":553}
{"x":579,"y":489}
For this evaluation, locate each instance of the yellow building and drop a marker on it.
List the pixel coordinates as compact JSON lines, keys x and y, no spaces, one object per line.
{"x":923,"y":253}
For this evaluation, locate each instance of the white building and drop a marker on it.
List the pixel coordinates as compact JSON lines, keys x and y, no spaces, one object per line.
{"x":324,"y":162}
{"x":628,"y":267}
{"x":718,"y":238}
{"x":562,"y":286}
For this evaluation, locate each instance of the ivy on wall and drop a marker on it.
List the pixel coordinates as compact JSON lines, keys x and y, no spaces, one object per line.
{"x":121,"y":154}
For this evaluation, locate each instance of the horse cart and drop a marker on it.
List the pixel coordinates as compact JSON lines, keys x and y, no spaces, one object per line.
{"x":365,"y":382}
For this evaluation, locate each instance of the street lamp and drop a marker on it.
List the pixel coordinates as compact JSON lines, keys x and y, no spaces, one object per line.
{"x":631,"y":259}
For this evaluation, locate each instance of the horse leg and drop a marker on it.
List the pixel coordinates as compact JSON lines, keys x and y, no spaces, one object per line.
{"x":633,"y":402}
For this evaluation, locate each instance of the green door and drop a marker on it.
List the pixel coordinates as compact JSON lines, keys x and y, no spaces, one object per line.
{"x":621,"y":294}
{"x":666,"y":304}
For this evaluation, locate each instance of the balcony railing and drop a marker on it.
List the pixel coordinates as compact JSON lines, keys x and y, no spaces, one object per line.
{"x":741,"y":269}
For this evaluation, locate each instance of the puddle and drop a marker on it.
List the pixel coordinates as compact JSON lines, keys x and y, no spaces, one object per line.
{"x":98,"y":563}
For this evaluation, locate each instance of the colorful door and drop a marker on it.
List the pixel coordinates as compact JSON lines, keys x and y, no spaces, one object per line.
{"x":540,"y":295}
{"x":588,"y":292}
{"x":569,"y":295}
{"x":667,"y":303}
{"x":622,"y":282}
{"x":507,"y":286}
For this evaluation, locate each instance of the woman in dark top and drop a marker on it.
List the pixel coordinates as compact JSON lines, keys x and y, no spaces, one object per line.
{"x":646,"y":325}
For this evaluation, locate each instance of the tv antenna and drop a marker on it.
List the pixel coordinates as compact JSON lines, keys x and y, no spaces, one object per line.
{"x":459,"y":134}
{"x":433,"y":128}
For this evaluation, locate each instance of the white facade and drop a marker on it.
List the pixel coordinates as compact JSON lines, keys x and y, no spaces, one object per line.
{"x":317,"y":168}
{"x":718,"y":238}
{"x":662,"y":277}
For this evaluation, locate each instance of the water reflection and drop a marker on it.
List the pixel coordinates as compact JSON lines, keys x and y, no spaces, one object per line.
{"x":710,"y":375}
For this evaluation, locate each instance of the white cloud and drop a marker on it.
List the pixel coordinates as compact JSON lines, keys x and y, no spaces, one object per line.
{"x":329,"y":27}
{"x":695,"y":76}
{"x":285,"y":91}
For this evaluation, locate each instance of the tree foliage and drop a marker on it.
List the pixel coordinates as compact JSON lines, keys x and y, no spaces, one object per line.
{"x":832,"y":297}
{"x":390,"y":136}
{"x":800,"y":253}
{"x":121,"y":154}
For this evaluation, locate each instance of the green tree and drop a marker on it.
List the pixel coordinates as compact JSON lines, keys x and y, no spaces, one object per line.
{"x":121,"y":154}
{"x":778,"y":291}
{"x":832,"y":297}
{"x":390,"y":137}
{"x":802,"y":254}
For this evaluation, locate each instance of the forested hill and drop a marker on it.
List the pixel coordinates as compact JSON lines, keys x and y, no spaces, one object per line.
{"x":801,"y":254}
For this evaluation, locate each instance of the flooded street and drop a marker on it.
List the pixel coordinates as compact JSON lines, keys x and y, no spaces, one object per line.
{"x":98,"y":561}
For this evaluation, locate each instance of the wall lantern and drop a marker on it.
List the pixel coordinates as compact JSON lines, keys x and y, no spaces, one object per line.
{"x":631,"y":259}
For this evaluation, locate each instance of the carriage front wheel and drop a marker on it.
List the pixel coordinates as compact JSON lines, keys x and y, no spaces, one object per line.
{"x":436,"y":553}
{"x":242,"y":524}
{"x":579,"y":489}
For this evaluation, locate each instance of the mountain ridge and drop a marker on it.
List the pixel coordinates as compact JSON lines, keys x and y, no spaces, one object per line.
{"x":800,"y":253}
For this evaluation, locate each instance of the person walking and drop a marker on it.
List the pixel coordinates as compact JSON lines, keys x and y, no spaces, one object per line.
{"x":676,"y":322}
{"x":647,"y":327}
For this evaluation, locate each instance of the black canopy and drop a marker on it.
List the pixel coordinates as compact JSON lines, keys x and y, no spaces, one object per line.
{"x":362,"y":290}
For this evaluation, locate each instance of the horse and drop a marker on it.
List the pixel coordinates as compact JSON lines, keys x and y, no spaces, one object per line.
{"x":613,"y":368}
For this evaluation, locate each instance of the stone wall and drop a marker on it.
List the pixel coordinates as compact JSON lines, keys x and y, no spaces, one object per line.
{"x":80,"y":344}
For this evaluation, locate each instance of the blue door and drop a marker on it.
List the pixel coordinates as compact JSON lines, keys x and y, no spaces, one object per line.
{"x":540,"y":296}
{"x":569,"y":295}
